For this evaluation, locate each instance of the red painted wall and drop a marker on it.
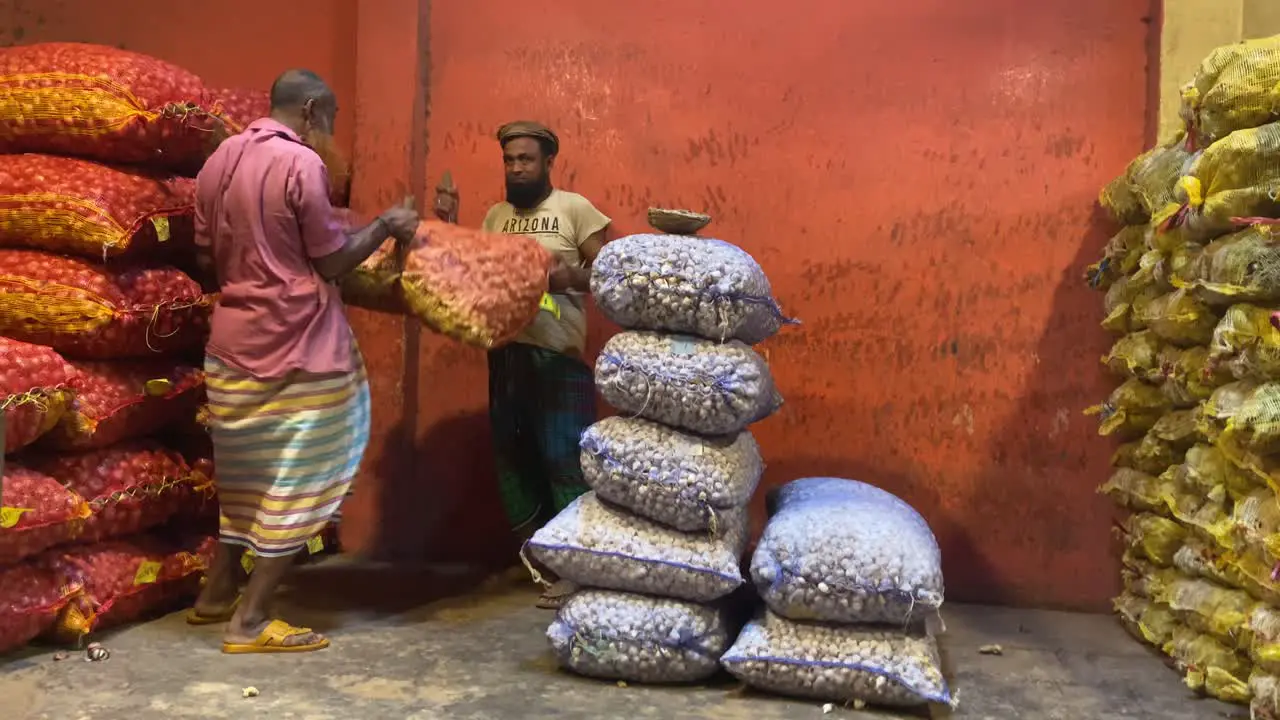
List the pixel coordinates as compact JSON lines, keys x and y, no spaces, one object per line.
{"x":917,"y":178}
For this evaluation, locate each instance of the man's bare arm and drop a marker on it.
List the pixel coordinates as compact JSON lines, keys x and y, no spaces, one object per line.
{"x":578,"y":279}
{"x":359,"y":246}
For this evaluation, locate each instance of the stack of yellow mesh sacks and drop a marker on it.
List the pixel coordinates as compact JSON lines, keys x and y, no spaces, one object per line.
{"x":1193,"y":290}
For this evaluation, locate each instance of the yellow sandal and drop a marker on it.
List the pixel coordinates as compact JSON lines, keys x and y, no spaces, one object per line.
{"x":272,"y":640}
{"x":195,"y":618}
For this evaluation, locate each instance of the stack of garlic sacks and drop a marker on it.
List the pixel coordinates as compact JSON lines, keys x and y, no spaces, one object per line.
{"x":101,"y":335}
{"x":657,"y":545}
{"x":1193,"y":289}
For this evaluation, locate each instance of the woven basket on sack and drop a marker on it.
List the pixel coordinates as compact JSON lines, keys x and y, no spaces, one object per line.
{"x":677,"y":222}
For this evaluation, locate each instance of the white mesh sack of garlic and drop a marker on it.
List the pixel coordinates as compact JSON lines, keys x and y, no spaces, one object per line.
{"x":675,"y":478}
{"x":697,"y":385}
{"x":594,"y":545}
{"x":623,"y":636}
{"x":844,"y":551}
{"x":709,"y":288}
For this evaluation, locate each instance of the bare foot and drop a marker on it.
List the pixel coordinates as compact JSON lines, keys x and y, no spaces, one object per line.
{"x":216,"y":603}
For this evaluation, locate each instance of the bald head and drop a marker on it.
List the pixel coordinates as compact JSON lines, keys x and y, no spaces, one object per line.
{"x":302,"y":100}
{"x":295,"y":88}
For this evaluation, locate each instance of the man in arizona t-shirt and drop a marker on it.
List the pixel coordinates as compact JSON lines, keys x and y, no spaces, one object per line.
{"x":541,"y":393}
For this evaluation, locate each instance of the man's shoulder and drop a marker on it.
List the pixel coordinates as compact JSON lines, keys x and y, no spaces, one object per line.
{"x":495,"y":211}
{"x":569,"y":199}
{"x":500,"y":207}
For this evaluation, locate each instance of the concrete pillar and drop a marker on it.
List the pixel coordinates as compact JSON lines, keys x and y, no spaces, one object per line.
{"x":1261,"y":18}
{"x":388,"y":163}
{"x":1192,"y":28}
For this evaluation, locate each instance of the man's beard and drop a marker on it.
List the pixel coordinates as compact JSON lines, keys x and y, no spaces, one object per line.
{"x":336,"y":165}
{"x":526,"y":196}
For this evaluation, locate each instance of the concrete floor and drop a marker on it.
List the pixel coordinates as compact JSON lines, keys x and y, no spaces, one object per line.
{"x":482,"y":656}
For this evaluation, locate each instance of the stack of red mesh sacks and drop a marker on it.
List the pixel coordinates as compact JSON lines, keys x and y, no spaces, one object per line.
{"x":105,"y":503}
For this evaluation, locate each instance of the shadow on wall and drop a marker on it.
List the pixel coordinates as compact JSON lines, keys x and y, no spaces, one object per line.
{"x":1069,"y":448}
{"x":443,"y":505}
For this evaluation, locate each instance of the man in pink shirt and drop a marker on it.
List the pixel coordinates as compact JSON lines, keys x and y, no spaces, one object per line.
{"x":287,"y":392}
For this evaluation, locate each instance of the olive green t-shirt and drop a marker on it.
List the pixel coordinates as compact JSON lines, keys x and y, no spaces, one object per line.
{"x":560,"y":224}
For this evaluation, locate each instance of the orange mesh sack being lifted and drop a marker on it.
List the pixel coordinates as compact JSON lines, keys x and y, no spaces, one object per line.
{"x":85,"y":310}
{"x":478,"y":287}
{"x":1234,"y":181}
{"x":79,"y":207}
{"x":101,"y":102}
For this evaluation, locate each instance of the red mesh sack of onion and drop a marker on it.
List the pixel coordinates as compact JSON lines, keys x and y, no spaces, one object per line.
{"x":125,"y":401}
{"x":126,"y":580}
{"x":101,"y":102}
{"x":89,"y":311}
{"x":129,"y":488}
{"x":32,"y":596}
{"x":33,"y":391}
{"x":80,"y":207}
{"x":36,"y":513}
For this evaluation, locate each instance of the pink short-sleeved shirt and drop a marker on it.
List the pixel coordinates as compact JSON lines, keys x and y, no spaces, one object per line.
{"x":262,"y":208}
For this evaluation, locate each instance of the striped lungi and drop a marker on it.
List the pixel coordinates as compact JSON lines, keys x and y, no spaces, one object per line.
{"x":285,"y":452}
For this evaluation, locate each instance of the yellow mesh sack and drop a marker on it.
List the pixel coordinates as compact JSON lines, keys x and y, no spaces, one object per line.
{"x":1257,"y":566}
{"x":1121,"y":257}
{"x":1177,"y":264}
{"x":1254,"y":524}
{"x":1236,"y":87}
{"x":1154,"y":176}
{"x":1147,"y":621}
{"x":1126,"y":247}
{"x":1154,"y":538}
{"x":1135,"y":355}
{"x":1135,"y":490}
{"x":1206,"y":515}
{"x":1202,"y":558}
{"x":1206,"y":469}
{"x":1243,"y":267}
{"x":1129,"y":605}
{"x":1255,"y":426}
{"x":1147,"y":456}
{"x":1264,"y":626}
{"x":1120,"y":199}
{"x":1150,"y":455}
{"x":1210,"y":666}
{"x":1219,"y":612}
{"x":1177,"y":427}
{"x":1233,"y":181}
{"x":1145,"y":579}
{"x":1223,"y":403}
{"x":1187,"y":377}
{"x":1246,"y":344}
{"x":1126,"y":299}
{"x":1264,"y":686}
{"x":1179,"y":318}
{"x":1147,"y":184}
{"x":1132,"y":409}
